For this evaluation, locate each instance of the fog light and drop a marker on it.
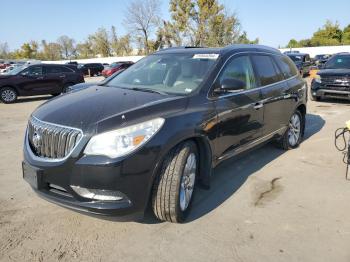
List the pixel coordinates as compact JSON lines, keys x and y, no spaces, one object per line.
{"x":98,"y":194}
{"x":314,"y":93}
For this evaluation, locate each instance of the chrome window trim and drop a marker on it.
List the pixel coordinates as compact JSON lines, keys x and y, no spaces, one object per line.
{"x":248,"y":90}
{"x":52,"y":160}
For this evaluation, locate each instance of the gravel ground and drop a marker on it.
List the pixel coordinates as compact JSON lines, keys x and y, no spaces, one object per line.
{"x":269,"y":205}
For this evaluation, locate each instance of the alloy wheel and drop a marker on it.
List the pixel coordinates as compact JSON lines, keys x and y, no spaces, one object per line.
{"x":187,"y":181}
{"x":294,"y":130}
{"x":8,"y":95}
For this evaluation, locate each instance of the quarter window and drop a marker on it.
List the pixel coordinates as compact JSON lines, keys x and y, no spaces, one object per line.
{"x":240,"y":68}
{"x":266,"y":70}
{"x":53,"y":70}
{"x":287,"y":66}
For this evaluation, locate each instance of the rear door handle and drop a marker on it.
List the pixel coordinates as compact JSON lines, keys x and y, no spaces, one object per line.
{"x":257,"y":106}
{"x":62,"y":76}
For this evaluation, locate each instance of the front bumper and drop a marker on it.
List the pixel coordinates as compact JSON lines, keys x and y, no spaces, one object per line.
{"x":132,"y":177}
{"x":321,"y":91}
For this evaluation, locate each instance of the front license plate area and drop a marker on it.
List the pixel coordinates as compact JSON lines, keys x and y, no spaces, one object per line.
{"x":32,"y":175}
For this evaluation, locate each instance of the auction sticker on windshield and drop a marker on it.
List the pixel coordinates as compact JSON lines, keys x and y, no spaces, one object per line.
{"x":206,"y":56}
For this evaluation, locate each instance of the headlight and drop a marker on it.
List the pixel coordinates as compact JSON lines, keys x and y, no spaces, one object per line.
{"x":318,"y":79}
{"x":123,"y":141}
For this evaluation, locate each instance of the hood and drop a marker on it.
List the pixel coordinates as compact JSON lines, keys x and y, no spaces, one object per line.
{"x":103,"y":106}
{"x":5,"y":76}
{"x":334,"y":72}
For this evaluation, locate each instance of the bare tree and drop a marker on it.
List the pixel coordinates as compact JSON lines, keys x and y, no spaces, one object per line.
{"x":4,"y":50}
{"x":142,"y":17}
{"x":67,"y":46}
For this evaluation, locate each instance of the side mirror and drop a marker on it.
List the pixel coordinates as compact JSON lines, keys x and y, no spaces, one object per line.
{"x":230,"y":84}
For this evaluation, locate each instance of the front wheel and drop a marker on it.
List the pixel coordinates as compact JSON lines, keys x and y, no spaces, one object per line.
{"x":294,"y":133}
{"x":8,"y":95}
{"x":174,"y":186}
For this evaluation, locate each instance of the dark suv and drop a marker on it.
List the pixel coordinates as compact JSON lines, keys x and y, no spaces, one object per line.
{"x":91,"y":69}
{"x":38,"y":79}
{"x":333,"y":81}
{"x":156,"y":130}
{"x":302,"y":61}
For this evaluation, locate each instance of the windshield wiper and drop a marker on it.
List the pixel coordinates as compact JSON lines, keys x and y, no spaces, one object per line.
{"x":148,"y":90}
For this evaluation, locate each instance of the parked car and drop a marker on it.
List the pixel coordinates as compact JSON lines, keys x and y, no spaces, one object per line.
{"x":156,"y":130}
{"x":40,"y":79}
{"x":81,"y":86}
{"x":91,"y":69}
{"x":333,"y":80}
{"x":72,"y":63}
{"x":302,"y":61}
{"x":115,"y":67}
{"x":320,"y":60}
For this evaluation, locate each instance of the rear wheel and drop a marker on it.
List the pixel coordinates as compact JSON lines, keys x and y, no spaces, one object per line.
{"x":8,"y":95}
{"x":293,"y":135}
{"x":174,"y":186}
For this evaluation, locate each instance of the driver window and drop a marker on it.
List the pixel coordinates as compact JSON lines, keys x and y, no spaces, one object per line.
{"x":33,"y":71}
{"x":240,"y":68}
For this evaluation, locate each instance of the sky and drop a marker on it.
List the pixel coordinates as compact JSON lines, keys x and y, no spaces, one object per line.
{"x":274,"y":22}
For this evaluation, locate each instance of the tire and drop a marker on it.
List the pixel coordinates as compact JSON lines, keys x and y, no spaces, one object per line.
{"x":286,"y":142}
{"x":8,"y":95}
{"x":65,"y":87}
{"x":169,"y":185}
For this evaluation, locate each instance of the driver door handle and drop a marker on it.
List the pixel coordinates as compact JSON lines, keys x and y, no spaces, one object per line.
{"x":258,"y":105}
{"x":62,"y":76}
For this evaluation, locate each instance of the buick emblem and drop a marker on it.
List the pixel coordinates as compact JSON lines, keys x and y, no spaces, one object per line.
{"x":36,"y":140}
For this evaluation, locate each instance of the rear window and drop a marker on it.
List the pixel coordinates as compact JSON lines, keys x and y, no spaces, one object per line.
{"x":67,"y":70}
{"x":287,"y":66}
{"x":266,"y":70}
{"x":53,"y":69}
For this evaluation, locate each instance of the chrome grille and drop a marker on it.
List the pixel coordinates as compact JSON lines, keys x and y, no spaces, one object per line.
{"x":52,"y":141}
{"x":336,"y":81}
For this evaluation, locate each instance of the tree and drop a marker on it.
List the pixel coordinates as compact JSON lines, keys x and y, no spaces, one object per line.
{"x":51,"y":51}
{"x":100,"y":42}
{"x":84,"y":50}
{"x":293,"y":43}
{"x":346,"y":36}
{"x":329,"y":34}
{"x":4,"y":50}
{"x":243,"y":39}
{"x":141,"y":18}
{"x":67,"y":44}
{"x":202,"y":23}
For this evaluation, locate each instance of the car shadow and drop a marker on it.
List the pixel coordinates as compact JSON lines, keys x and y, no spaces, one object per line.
{"x":33,"y":99}
{"x":231,"y":174}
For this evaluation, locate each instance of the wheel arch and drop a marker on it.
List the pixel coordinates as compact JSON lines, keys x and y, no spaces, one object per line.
{"x":302,"y":109}
{"x":11,"y":86}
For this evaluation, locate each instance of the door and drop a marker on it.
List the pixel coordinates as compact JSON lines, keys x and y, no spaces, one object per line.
{"x":240,"y":116}
{"x":32,"y":81}
{"x":274,"y":92}
{"x":55,"y":78}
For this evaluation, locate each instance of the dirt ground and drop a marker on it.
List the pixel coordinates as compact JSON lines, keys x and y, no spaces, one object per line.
{"x":269,"y":205}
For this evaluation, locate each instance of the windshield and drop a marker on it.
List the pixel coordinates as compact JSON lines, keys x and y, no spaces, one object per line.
{"x":296,"y":58}
{"x":115,"y":64}
{"x":16,"y":70}
{"x":338,"y":62}
{"x":167,"y":73}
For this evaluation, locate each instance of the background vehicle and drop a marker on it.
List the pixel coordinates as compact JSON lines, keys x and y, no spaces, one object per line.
{"x":333,"y":80}
{"x":91,"y":69}
{"x":158,"y":128}
{"x":320,"y":60}
{"x":302,"y":61}
{"x":81,"y":86}
{"x":115,"y":67}
{"x":72,"y":63}
{"x":38,"y":79}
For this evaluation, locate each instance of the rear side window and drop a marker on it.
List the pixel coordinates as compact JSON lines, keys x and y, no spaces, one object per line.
{"x":287,"y":66}
{"x":266,"y":70}
{"x":53,"y":70}
{"x":66,"y":70}
{"x":239,"y":68}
